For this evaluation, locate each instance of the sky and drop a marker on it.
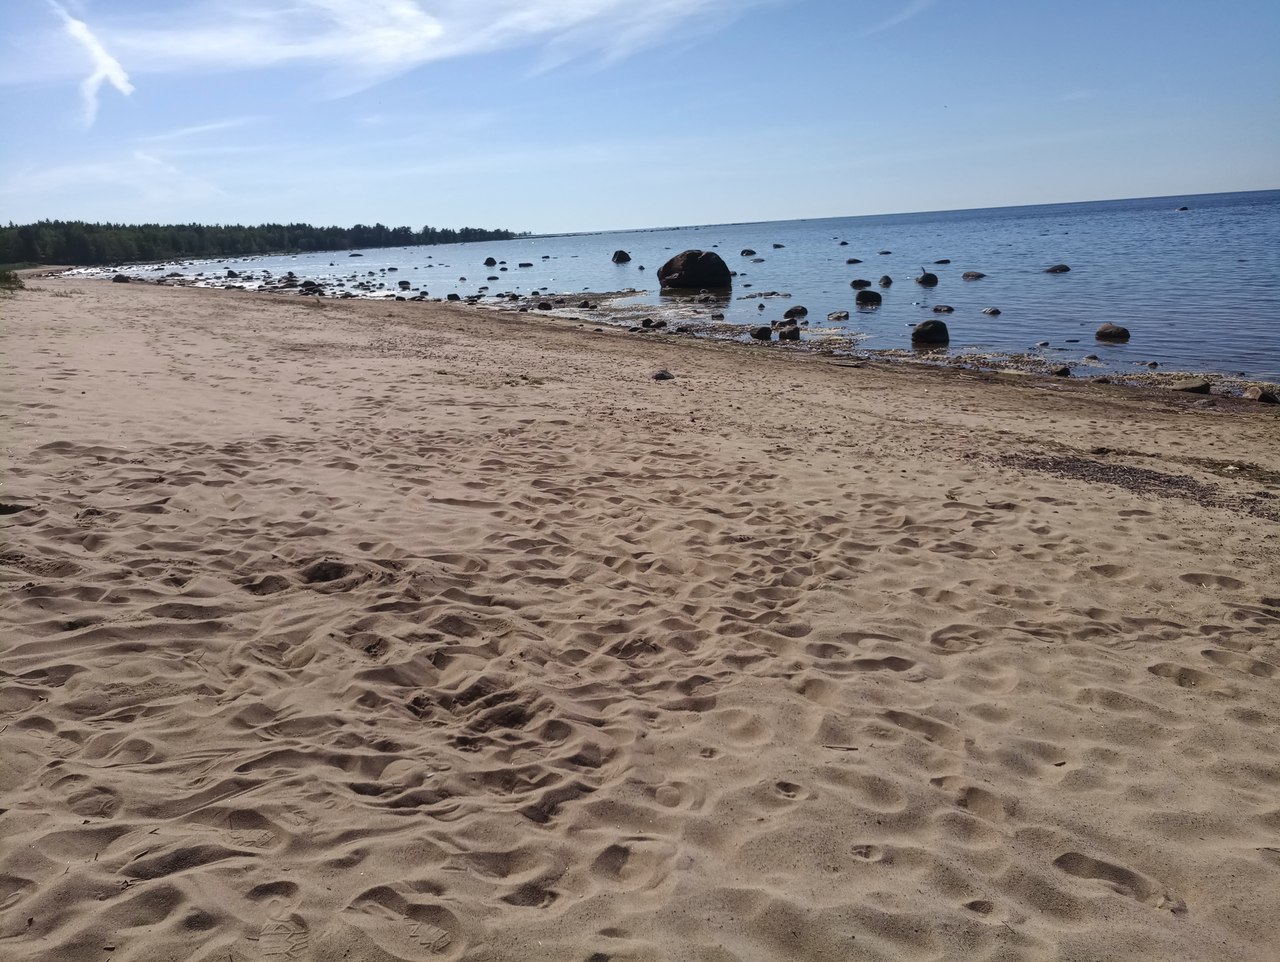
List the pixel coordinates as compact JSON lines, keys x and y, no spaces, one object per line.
{"x":581,"y":115}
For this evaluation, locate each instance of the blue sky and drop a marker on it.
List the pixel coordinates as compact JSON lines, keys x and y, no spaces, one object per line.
{"x":571,"y":115}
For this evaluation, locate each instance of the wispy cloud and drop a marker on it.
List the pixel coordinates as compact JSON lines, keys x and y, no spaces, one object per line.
{"x":106,"y":68}
{"x":140,"y":175}
{"x":362,"y":42}
{"x":196,"y":130}
{"x":909,"y":11}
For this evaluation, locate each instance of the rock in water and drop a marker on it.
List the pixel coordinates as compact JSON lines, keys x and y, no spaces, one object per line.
{"x":867,"y":298}
{"x":927,"y":279}
{"x":930,"y":332}
{"x":860,"y":284}
{"x":886,"y":281}
{"x":695,"y":270}
{"x":762,"y":333}
{"x":621,"y":257}
{"x":1112,"y":332}
{"x":973,"y":275}
{"x":1057,"y":269}
{"x":796,"y":312}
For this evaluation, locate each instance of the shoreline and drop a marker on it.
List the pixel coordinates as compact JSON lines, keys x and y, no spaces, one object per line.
{"x":341,"y":630}
{"x":604,"y":310}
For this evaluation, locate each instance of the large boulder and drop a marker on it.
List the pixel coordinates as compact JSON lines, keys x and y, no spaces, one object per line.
{"x":930,"y":332}
{"x":621,"y":257}
{"x":1112,"y":332}
{"x":867,"y":298}
{"x":695,"y":270}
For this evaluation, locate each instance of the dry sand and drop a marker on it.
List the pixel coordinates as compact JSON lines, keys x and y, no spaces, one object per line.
{"x":374,"y":631}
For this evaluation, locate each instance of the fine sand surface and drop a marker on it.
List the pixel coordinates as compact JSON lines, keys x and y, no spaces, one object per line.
{"x":377,"y":631}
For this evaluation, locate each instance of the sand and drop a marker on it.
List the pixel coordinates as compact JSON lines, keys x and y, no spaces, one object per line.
{"x":376,"y":631}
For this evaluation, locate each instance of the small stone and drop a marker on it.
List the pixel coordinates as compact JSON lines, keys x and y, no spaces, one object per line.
{"x":1192,"y":385}
{"x":1062,"y":371}
{"x":662,"y":374}
{"x":991,"y":311}
{"x":1057,"y":269}
{"x":1260,"y":394}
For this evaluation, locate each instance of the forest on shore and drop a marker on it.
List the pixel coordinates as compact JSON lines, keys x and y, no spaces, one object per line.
{"x":84,"y":244}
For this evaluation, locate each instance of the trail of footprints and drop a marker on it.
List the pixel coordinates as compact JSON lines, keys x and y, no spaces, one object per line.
{"x":474,"y":683}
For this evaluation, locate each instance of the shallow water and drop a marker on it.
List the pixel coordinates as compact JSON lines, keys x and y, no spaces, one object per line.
{"x":1199,"y":289}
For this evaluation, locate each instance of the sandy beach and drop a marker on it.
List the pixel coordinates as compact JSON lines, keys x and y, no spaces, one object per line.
{"x":384,"y":631}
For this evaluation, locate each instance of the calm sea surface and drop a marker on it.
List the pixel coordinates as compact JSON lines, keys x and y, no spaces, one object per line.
{"x":1199,"y":289}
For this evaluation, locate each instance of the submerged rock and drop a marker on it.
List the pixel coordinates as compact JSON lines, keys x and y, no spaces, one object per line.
{"x":1112,"y":332}
{"x":927,"y":279}
{"x":860,"y":284}
{"x":621,"y":257}
{"x":1057,"y":269}
{"x":973,"y":275}
{"x":867,"y":298}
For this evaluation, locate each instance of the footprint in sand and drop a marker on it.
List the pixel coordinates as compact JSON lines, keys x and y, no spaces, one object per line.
{"x":1121,"y":880}
{"x":1250,"y":666}
{"x":405,"y":928}
{"x":284,"y":938}
{"x":1185,"y":677}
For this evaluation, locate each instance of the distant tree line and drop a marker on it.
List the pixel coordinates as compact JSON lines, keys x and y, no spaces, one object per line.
{"x":75,"y":242}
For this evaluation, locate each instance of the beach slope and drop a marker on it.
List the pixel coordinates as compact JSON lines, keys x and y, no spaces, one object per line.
{"x":379,"y":631}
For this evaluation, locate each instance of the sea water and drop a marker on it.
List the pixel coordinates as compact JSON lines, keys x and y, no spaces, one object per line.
{"x":1198,"y":288}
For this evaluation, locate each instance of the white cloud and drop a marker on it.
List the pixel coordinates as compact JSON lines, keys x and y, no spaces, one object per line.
{"x":106,"y":69}
{"x":366,"y":41}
